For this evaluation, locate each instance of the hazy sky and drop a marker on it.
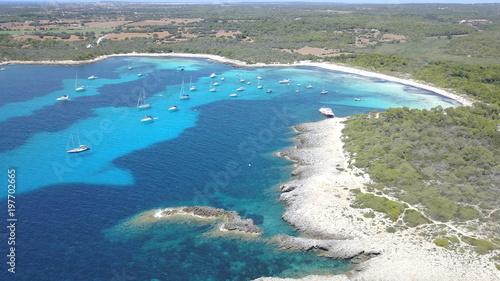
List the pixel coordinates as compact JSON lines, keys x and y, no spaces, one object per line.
{"x":234,"y":1}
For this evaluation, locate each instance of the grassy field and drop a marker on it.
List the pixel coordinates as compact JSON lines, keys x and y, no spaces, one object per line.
{"x":427,"y":49}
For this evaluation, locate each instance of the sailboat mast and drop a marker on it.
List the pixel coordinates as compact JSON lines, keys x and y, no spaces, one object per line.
{"x":182,"y":88}
{"x":78,"y":134}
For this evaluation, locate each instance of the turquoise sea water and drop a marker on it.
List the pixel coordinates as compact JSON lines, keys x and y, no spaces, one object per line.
{"x":215,"y":150}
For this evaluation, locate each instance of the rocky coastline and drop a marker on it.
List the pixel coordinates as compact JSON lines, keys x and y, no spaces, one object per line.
{"x":319,"y":200}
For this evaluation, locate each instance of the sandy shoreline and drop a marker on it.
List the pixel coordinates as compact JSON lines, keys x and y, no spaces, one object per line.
{"x":319,"y":202}
{"x":330,"y":66}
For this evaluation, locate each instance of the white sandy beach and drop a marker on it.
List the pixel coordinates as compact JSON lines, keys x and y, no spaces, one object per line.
{"x":318,"y":203}
{"x":331,"y":66}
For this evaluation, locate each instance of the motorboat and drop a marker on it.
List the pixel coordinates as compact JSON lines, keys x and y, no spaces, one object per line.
{"x":326,"y":111}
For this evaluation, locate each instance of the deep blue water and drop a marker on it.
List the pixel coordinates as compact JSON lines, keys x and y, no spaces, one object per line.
{"x":216,"y":150}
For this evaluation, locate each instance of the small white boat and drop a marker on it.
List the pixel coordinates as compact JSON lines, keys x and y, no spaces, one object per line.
{"x":326,"y":111}
{"x":92,"y":77}
{"x":213,"y":75}
{"x":148,"y":118}
{"x":141,"y":102}
{"x":216,"y":84}
{"x":181,"y":68}
{"x":78,"y":89}
{"x":240,"y":89}
{"x":324,"y":91}
{"x":233,"y":95}
{"x":191,"y":86}
{"x":259,"y":77}
{"x":80,"y":147}
{"x":173,"y":108}
{"x":222,"y":79}
{"x":309,"y":87}
{"x":260,"y":87}
{"x":248,"y":83}
{"x":63,"y":98}
{"x":285,"y":81}
{"x":183,"y":96}
{"x":139,"y":75}
{"x":213,"y":89}
{"x":269,"y":91}
{"x":357,"y":99}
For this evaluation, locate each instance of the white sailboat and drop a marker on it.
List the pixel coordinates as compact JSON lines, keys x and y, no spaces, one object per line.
{"x":324,"y":91}
{"x":78,"y":89}
{"x":211,"y":88}
{"x":183,"y":96}
{"x":191,"y":87}
{"x":129,"y":66}
{"x":141,"y":102}
{"x":92,"y":77}
{"x":80,"y":147}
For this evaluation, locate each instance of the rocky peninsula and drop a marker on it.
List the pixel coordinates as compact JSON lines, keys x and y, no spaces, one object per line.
{"x":319,"y":200}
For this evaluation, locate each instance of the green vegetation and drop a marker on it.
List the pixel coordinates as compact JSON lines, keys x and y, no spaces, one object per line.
{"x":266,"y":32}
{"x":369,"y":215}
{"x":373,"y":61}
{"x":480,"y":82}
{"x":478,"y":44}
{"x":446,"y":160}
{"x":481,"y":246}
{"x":442,"y":243}
{"x":380,"y":204}
{"x":414,"y":218}
{"x":391,"y":229}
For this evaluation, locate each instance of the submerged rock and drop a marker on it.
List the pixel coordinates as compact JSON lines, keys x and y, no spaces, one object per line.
{"x":231,"y":220}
